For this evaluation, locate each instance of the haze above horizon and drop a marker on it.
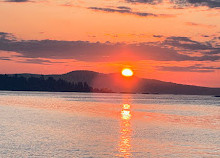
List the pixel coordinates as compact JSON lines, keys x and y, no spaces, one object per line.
{"x":169,"y":40}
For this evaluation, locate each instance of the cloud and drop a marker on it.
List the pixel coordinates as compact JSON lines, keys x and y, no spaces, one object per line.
{"x":3,"y":34}
{"x":118,"y":9}
{"x":145,"y":1}
{"x":158,"y":36}
{"x":17,"y":0}
{"x":124,"y":7}
{"x":185,"y":43}
{"x":217,"y":51}
{"x":200,"y":25}
{"x":126,"y":10}
{"x":96,"y":51}
{"x":38,"y":61}
{"x":194,"y":68}
{"x":208,"y":3}
{"x":181,"y":3}
{"x":6,"y":36}
{"x":4,"y":58}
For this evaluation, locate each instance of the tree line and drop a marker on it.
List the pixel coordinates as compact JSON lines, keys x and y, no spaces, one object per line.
{"x":18,"y":83}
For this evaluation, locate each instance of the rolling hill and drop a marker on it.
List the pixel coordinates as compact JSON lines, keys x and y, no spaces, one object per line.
{"x":117,"y":83}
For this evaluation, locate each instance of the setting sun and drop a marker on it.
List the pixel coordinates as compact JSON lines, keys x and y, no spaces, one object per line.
{"x":127,"y":72}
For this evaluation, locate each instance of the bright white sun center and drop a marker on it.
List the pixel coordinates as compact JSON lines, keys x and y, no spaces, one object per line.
{"x":127,"y":72}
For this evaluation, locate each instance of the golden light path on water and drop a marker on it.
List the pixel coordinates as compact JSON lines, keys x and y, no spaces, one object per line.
{"x":125,"y":132}
{"x":45,"y":124}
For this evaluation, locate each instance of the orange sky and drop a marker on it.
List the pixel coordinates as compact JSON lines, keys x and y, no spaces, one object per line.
{"x":165,"y":40}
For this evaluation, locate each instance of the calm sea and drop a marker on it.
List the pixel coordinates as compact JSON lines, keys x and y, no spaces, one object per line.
{"x":85,"y":125}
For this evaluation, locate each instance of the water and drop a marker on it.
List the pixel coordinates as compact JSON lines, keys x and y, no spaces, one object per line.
{"x":44,"y":124}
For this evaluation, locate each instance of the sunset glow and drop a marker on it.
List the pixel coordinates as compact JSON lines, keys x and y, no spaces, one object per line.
{"x":57,"y":37}
{"x":127,"y":72}
{"x":110,"y":78}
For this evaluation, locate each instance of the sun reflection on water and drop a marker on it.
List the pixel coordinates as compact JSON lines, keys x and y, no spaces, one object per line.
{"x":125,"y":132}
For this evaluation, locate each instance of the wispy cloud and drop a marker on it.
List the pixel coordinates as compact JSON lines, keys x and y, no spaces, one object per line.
{"x":37,"y":61}
{"x":199,"y":25}
{"x":145,"y":1}
{"x":195,"y":68}
{"x":181,"y":3}
{"x":90,"y":51}
{"x":127,"y":10}
{"x":157,"y":36}
{"x":5,"y":58}
{"x":208,"y":3}
{"x":17,"y":0}
{"x":185,"y":43}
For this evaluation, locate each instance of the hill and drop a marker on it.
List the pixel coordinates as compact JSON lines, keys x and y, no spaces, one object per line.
{"x":118,"y":83}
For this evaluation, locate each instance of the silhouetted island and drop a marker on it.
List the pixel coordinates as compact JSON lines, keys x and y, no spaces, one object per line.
{"x":20,"y":83}
{"x":89,"y":81}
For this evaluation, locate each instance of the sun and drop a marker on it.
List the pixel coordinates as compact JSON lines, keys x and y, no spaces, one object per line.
{"x":127,"y":72}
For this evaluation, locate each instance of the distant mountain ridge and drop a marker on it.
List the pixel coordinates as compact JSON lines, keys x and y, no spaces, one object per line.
{"x":117,"y":83}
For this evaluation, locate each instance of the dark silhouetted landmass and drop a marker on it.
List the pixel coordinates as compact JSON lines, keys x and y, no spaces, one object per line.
{"x":19,"y":83}
{"x":89,"y":81}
